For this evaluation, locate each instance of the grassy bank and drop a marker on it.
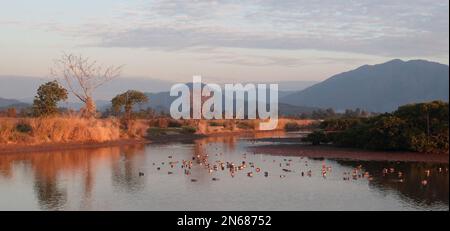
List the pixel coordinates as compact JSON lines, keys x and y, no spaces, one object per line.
{"x":18,"y":134}
{"x":35,"y":131}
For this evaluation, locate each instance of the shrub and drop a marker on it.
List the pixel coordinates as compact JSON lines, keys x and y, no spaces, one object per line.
{"x":154,"y":131}
{"x":188,"y":129}
{"x":419,"y":127}
{"x":23,"y":127}
{"x":215,"y":124}
{"x":245,"y":125}
{"x":316,"y":138}
{"x":291,"y":126}
{"x":174,"y":124}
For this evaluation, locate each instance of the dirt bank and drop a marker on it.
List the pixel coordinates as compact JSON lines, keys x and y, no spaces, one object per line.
{"x":16,"y":148}
{"x":327,"y":151}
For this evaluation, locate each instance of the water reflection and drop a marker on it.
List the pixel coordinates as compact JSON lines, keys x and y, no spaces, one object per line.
{"x":198,"y":176}
{"x":408,"y":179}
{"x":49,"y":195}
{"x":125,"y":167}
{"x":49,"y":169}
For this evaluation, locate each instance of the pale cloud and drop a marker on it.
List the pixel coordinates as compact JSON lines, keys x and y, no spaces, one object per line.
{"x":388,"y":28}
{"x":254,"y":37}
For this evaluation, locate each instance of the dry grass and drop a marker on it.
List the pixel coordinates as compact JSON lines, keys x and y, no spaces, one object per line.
{"x":74,"y":129}
{"x":57,"y":130}
{"x":136,"y":129}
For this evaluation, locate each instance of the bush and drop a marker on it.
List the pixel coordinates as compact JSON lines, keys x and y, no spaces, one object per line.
{"x":174,"y":124}
{"x":245,"y":125}
{"x":292,"y":126}
{"x":316,"y":138}
{"x":215,"y":124}
{"x":188,"y":129}
{"x":154,"y":131}
{"x":23,"y":127}
{"x":419,"y":127}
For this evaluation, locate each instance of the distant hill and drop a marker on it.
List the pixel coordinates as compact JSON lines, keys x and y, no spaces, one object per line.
{"x":378,"y":88}
{"x":9,"y":102}
{"x":161,"y":102}
{"x":24,"y":88}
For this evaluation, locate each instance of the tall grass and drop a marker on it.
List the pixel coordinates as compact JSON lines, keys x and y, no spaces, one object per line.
{"x":57,"y":130}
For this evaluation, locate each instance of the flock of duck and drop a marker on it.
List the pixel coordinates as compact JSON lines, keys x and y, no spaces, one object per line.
{"x":286,"y":166}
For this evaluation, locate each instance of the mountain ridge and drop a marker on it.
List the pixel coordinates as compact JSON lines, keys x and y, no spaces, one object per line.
{"x":377,"y":88}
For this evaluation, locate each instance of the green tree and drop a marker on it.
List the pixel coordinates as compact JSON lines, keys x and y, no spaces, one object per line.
{"x":127,"y":100}
{"x":422,"y":127}
{"x":316,"y":138}
{"x":47,"y":98}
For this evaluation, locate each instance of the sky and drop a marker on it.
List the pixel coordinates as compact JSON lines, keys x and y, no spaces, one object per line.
{"x":224,"y":41}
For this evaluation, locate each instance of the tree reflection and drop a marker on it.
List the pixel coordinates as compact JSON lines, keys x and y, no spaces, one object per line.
{"x":50,"y":169}
{"x":125,"y":172}
{"x":409,"y":183}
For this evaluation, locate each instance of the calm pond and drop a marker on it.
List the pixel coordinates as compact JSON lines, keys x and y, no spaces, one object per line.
{"x":200,"y":176}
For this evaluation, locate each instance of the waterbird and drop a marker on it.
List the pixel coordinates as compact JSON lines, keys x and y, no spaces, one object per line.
{"x":141,"y":174}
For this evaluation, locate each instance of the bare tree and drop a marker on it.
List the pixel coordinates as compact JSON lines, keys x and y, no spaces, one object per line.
{"x":82,"y":76}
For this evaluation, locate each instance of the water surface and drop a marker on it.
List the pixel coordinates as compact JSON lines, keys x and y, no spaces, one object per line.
{"x":109,"y":179}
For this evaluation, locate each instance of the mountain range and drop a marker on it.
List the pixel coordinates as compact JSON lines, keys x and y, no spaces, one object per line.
{"x":376,"y":88}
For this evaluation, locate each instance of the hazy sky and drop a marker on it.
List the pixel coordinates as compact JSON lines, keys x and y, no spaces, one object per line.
{"x":222,"y":40}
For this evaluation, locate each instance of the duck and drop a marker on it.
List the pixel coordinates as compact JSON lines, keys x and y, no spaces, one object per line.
{"x":424,"y":182}
{"x":141,"y":174}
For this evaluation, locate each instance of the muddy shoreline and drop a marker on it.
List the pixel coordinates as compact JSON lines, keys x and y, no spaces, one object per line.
{"x":333,"y":152}
{"x":7,"y":149}
{"x":282,"y":146}
{"x":164,"y":139}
